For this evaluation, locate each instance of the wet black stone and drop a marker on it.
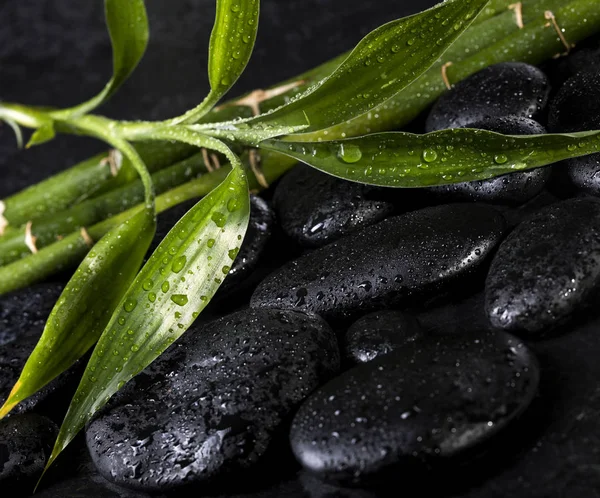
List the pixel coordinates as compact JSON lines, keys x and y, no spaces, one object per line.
{"x":26,"y":310}
{"x":23,"y":315}
{"x":576,"y":107}
{"x":547,"y":269}
{"x":506,"y":89}
{"x":379,"y":333}
{"x":262,"y":220}
{"x":213,"y":404}
{"x":26,"y":442}
{"x":418,"y":407}
{"x":560,"y":455}
{"x":403,"y":258}
{"x":314,"y":208}
{"x":514,"y":188}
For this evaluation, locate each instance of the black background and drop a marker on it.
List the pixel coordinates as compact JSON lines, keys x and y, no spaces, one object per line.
{"x":57,"y":52}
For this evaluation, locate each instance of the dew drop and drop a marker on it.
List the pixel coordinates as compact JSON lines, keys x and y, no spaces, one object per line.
{"x":500,"y":159}
{"x":130,"y":305}
{"x":179,"y":299}
{"x":147,"y":285}
{"x":152,"y":297}
{"x":210,"y":243}
{"x":233,"y":204}
{"x":349,"y":153}
{"x":165,"y":287}
{"x":178,"y":264}
{"x":429,"y":155}
{"x":233,"y":253}
{"x":226,"y":269}
{"x":219,"y":219}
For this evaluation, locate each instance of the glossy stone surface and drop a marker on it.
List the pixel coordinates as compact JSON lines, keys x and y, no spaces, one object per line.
{"x":576,"y":107}
{"x":26,"y":442}
{"x":212,"y":405}
{"x":403,"y":258}
{"x":378,"y":334}
{"x":547,"y":269}
{"x":416,"y":407}
{"x":506,"y":89}
{"x":315,"y":208}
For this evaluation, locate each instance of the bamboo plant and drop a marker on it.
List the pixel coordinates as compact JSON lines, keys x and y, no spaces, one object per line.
{"x":101,"y":213}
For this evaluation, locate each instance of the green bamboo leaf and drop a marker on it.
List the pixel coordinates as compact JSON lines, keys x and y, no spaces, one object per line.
{"x":398,"y":159}
{"x":383,"y":63}
{"x":166,"y":297}
{"x":127,"y":24}
{"x":42,"y":135}
{"x":86,"y":304}
{"x":231,"y":44}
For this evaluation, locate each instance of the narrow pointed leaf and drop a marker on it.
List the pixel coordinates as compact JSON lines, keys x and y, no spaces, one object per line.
{"x":86,"y":304}
{"x":174,"y":286}
{"x":42,"y":135}
{"x":384,"y":62}
{"x":398,"y":159}
{"x":231,"y":44}
{"x":127,"y":24}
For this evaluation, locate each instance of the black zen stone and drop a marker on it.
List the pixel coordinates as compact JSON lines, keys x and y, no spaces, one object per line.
{"x":514,"y":188}
{"x":23,"y":315}
{"x":411,"y":256}
{"x":576,"y":107}
{"x":547,"y":269}
{"x":417,"y":407}
{"x":506,"y":89}
{"x":379,"y":333}
{"x":26,"y":442}
{"x":314,"y":208}
{"x":259,"y":231}
{"x":562,"y":450}
{"x":26,"y":310}
{"x":212,"y":405}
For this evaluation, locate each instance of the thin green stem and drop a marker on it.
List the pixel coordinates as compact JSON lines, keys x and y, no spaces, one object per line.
{"x":197,"y":112}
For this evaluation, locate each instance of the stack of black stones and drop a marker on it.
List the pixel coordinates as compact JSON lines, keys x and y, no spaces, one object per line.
{"x":431,"y":342}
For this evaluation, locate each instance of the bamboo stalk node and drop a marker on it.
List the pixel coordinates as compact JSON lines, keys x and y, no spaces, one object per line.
{"x":114,"y":160}
{"x":215,"y":160}
{"x":86,"y":237}
{"x":254,"y":159}
{"x":445,"y":75}
{"x":549,"y":15}
{"x":518,"y":8}
{"x":207,"y":160}
{"x":254,"y":98}
{"x":3,"y":220}
{"x":30,"y":239}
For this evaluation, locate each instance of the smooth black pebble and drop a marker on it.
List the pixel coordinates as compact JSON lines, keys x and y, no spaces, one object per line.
{"x":26,"y":310}
{"x":576,"y":107}
{"x":514,"y":188}
{"x":547,"y":269}
{"x":501,"y":90}
{"x":23,"y":315}
{"x":562,"y":450}
{"x":26,"y":443}
{"x":379,"y":333}
{"x":215,"y":402}
{"x":402,"y":259}
{"x":314,"y":208}
{"x":416,"y":407}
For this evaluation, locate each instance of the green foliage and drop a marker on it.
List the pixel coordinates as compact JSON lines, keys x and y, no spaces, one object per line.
{"x":397,"y":159}
{"x":86,"y":304}
{"x":385,"y":73}
{"x":168,"y":294}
